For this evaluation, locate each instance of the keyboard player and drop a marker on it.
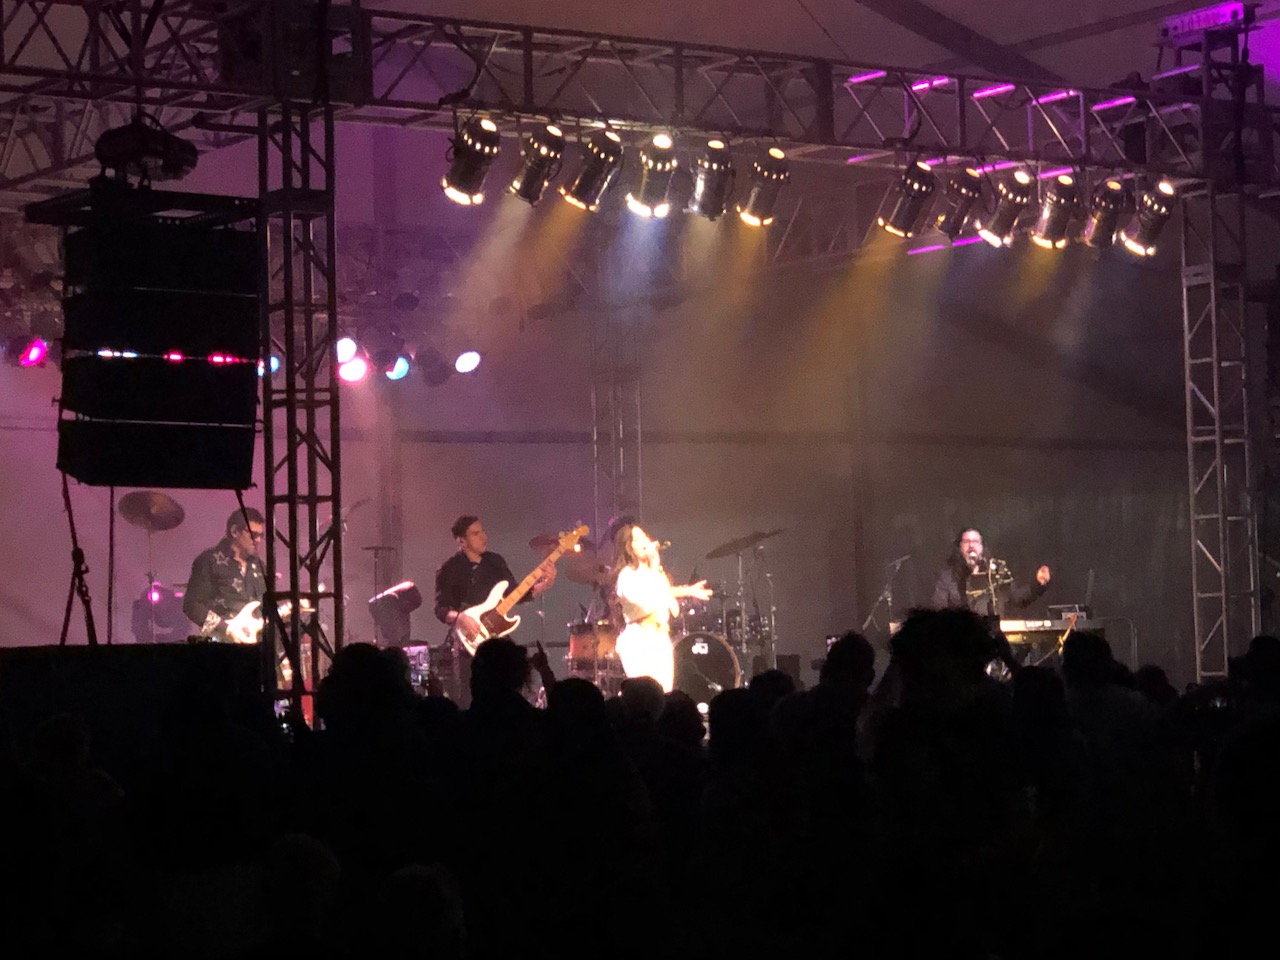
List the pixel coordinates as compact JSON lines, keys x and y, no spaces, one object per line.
{"x":971,"y":579}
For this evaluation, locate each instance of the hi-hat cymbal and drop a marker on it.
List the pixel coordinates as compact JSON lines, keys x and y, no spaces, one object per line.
{"x":151,"y":510}
{"x":742,"y":543}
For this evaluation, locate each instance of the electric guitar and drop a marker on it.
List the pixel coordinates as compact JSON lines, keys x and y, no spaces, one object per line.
{"x":492,"y":612}
{"x":246,"y":625}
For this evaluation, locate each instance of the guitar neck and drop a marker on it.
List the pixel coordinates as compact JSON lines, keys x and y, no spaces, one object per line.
{"x":524,"y":586}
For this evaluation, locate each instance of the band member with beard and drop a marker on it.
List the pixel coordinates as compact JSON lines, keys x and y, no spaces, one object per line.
{"x":978,"y":582}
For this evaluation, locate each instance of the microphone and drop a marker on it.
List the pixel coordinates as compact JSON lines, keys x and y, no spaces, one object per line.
{"x":900,"y":561}
{"x":662,"y":544}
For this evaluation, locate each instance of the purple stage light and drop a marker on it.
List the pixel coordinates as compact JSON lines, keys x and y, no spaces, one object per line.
{"x":1117,"y":102}
{"x":995,"y":91}
{"x":35,"y":353}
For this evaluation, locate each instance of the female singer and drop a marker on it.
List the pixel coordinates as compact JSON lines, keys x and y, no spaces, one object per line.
{"x":648,"y":600}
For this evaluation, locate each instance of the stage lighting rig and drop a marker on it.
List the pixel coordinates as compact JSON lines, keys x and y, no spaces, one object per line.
{"x":542,"y":152}
{"x":963,"y":191}
{"x":146,"y":151}
{"x":1056,"y":208}
{"x":601,"y":160}
{"x":1154,"y":210}
{"x":769,"y":174}
{"x":1108,"y":204}
{"x":657,"y":165}
{"x":1013,"y":197}
{"x":910,"y":200}
{"x":474,"y":147}
{"x":713,"y":181}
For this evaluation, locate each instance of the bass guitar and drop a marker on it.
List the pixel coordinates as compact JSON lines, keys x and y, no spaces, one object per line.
{"x":493,"y":613}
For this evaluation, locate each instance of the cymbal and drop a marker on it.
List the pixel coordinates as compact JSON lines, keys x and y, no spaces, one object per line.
{"x":151,"y":510}
{"x":585,"y":568}
{"x":742,"y":543}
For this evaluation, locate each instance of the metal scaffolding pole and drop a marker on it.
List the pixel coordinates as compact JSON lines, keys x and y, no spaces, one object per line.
{"x":616,"y":429}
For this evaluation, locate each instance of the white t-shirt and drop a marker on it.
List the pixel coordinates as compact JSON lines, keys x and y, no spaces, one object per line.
{"x":645,"y":593}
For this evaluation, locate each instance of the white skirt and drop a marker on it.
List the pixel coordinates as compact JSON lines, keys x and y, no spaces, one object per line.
{"x":645,"y":651}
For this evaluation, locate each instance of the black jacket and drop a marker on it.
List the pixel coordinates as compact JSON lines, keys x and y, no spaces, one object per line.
{"x":461,"y":583}
{"x":218,"y":585}
{"x":957,"y":588}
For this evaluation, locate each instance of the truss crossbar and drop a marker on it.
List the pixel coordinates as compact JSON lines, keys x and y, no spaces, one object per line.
{"x":69,"y":70}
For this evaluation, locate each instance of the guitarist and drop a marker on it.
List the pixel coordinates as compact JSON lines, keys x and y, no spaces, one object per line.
{"x":465,"y":580}
{"x":226,"y":576}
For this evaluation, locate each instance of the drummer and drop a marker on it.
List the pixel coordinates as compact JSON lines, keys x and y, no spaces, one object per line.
{"x":648,"y":600}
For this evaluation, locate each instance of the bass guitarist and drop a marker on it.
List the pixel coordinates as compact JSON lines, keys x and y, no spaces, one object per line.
{"x":227,"y":577}
{"x":466,"y":579}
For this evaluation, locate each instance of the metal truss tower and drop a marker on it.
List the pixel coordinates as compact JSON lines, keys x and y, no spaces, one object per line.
{"x":301,"y":409}
{"x":1221,"y":364}
{"x":1220,"y":460}
{"x":301,"y":413}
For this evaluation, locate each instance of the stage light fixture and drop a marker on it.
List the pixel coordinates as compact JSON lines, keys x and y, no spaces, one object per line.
{"x":1154,"y":210}
{"x":1013,"y":197}
{"x":713,"y":181}
{"x":1109,"y":202}
{"x":963,"y":191}
{"x":910,"y":200}
{"x":542,"y":152}
{"x":602,"y":156}
{"x":467,"y":361}
{"x":25,"y":351}
{"x":474,"y":149}
{"x":1056,"y":208}
{"x":345,"y":349}
{"x":399,"y":367}
{"x":390,"y":610}
{"x":768,"y":175}
{"x":145,"y":150}
{"x":354,"y":370}
{"x":434,"y":369}
{"x":657,"y":165}
{"x":263,"y":365}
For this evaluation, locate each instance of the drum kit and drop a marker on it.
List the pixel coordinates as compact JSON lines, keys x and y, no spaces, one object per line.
{"x":157,"y":614}
{"x":715,"y":641}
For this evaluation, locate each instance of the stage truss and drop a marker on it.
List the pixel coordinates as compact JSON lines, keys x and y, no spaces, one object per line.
{"x":70,"y":70}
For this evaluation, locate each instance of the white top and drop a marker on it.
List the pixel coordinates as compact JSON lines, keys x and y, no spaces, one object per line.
{"x":645,"y":593}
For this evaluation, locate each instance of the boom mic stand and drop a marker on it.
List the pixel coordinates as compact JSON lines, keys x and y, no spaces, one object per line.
{"x":886,"y":593}
{"x":79,"y":586}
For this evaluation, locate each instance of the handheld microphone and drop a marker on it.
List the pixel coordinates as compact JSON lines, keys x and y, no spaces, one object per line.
{"x":662,"y":544}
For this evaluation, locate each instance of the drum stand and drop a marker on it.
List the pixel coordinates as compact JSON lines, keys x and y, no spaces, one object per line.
{"x":765,"y":645}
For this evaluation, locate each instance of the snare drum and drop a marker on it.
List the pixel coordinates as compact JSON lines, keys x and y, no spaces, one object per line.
{"x":705,"y":665}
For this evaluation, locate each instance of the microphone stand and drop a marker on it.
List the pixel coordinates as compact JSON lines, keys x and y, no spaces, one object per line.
{"x":886,"y":593}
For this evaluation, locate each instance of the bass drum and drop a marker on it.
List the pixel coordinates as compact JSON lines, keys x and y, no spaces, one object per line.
{"x":705,"y":665}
